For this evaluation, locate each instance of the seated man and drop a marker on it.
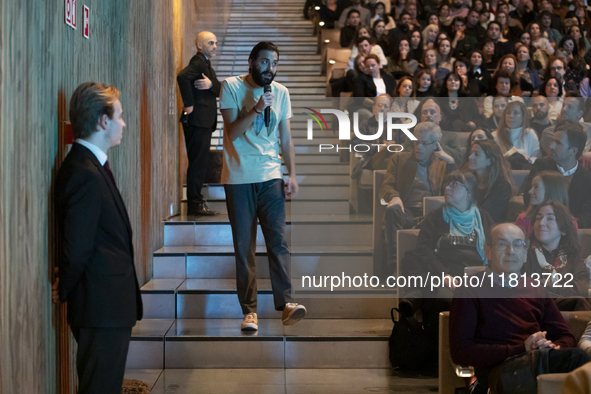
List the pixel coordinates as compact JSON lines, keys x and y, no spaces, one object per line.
{"x":566,"y":148}
{"x":494,"y":335}
{"x":540,"y":121}
{"x":410,"y":177}
{"x":363,"y":46}
{"x":349,"y":31}
{"x":430,"y":111}
{"x":573,"y":107}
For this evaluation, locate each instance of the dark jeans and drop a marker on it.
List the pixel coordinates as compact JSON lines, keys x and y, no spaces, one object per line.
{"x":100,"y":359}
{"x":246,"y":203}
{"x":198,"y":142}
{"x":397,"y":220}
{"x":559,"y":361}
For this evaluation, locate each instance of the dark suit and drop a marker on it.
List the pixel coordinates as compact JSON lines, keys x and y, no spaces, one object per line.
{"x":96,"y":269}
{"x":579,"y":191}
{"x":365,"y":87}
{"x":202,"y":122}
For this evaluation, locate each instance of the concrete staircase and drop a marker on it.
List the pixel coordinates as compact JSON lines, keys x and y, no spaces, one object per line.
{"x":191,"y":325}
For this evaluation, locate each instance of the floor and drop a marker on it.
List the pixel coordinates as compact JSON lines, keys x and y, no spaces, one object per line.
{"x":280,"y":381}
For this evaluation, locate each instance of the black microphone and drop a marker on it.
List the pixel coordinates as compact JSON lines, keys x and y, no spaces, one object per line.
{"x":267,"y":88}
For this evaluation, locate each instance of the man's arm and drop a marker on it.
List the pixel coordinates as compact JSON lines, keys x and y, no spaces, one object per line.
{"x":388,"y":191}
{"x":450,"y":144}
{"x":555,"y":326}
{"x":288,"y":153}
{"x":80,"y":210}
{"x":237,"y":127}
{"x":185,"y":80}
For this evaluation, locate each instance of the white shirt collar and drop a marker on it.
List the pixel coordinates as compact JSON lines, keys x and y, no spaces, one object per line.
{"x":100,"y":155}
{"x":569,"y":172}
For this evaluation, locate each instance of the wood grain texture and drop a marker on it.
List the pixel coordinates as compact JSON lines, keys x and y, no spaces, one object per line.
{"x":134,"y":45}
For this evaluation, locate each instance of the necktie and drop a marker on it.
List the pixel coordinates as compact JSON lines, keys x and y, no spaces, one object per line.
{"x":108,"y":168}
{"x":208,"y":64}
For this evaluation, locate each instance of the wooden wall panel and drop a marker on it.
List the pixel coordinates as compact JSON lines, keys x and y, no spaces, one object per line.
{"x":136,"y":46}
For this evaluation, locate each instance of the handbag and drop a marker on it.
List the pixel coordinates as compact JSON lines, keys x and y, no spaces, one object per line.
{"x":408,"y":343}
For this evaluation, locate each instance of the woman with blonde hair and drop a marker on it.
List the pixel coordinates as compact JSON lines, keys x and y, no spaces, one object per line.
{"x":515,"y":137}
{"x":430,"y":34}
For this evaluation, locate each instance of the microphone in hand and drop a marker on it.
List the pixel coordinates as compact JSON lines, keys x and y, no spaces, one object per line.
{"x":267,"y":89}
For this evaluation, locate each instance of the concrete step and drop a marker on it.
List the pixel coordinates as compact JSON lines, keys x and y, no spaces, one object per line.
{"x":301,"y":230}
{"x":218,"y":262}
{"x":317,"y":158}
{"x":306,"y":191}
{"x":146,"y":348}
{"x":327,"y":343}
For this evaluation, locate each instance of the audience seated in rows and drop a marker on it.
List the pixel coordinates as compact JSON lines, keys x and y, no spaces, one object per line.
{"x":375,"y":81}
{"x":478,"y":134}
{"x":572,"y":109}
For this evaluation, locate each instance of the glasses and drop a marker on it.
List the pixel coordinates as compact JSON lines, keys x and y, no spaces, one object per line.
{"x":455,"y":185}
{"x":517,"y":245}
{"x":424,"y":144}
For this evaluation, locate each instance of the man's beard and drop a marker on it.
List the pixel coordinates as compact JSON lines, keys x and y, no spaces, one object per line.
{"x":261,"y":78}
{"x":404,"y":27}
{"x":540,"y":115}
{"x":456,"y":5}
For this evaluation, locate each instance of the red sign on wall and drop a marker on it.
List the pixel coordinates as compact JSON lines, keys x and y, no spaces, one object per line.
{"x":70,"y":13}
{"x":86,"y":27}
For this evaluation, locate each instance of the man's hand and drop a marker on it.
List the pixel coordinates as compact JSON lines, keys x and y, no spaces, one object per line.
{"x":265,"y":101}
{"x":533,"y":341}
{"x":203,"y":84}
{"x":188,"y":110}
{"x":291,"y":187}
{"x":55,"y":298}
{"x":442,"y":156}
{"x":396,"y":201}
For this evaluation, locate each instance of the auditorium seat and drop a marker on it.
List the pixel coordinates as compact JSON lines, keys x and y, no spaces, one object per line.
{"x":329,"y":38}
{"x":336,"y":58}
{"x":519,"y":177}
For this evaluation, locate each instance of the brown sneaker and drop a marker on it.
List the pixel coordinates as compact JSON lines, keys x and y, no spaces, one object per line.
{"x":293,"y":313}
{"x":250,"y":322}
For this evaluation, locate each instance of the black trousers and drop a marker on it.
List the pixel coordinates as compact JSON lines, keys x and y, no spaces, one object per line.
{"x":559,"y":361}
{"x":100,"y":359}
{"x":265,"y":201}
{"x":198,"y":142}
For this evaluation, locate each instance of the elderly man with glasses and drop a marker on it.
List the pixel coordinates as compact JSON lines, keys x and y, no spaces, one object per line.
{"x":509,"y":330}
{"x":410,"y":177}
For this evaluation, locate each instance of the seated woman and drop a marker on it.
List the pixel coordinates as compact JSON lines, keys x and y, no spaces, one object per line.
{"x":375,"y":82}
{"x":330,"y":13}
{"x":495,"y":183}
{"x":430,"y":34}
{"x":423,"y":84}
{"x":451,"y":238}
{"x":416,"y":46}
{"x":460,"y":113}
{"x":499,"y":104}
{"x":404,"y":100}
{"x":519,"y":143}
{"x":543,"y":48}
{"x":353,"y":74}
{"x":400,"y":62}
{"x":552,"y":90}
{"x":555,"y":252}
{"x":476,"y":135}
{"x":379,"y":12}
{"x":479,"y":74}
{"x":503,"y":84}
{"x":380,"y":37}
{"x":529,"y":78}
{"x":547,"y":185}
{"x":568,"y":48}
{"x":490,"y":60}
{"x":508,"y":63}
{"x":429,"y":64}
{"x":510,"y":30}
{"x":445,"y":59}
{"x":470,"y":86}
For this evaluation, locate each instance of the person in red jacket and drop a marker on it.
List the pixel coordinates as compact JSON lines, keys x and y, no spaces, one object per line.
{"x":500,"y":329}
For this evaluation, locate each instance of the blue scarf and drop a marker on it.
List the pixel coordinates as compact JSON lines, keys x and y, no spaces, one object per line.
{"x":461,"y":224}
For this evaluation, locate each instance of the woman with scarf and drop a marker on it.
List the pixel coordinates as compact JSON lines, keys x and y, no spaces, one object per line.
{"x":451,"y":238}
{"x":554,"y":257}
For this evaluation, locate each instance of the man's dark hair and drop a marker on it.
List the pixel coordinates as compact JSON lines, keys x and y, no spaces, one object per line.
{"x":361,"y":39}
{"x":404,"y":13}
{"x":575,"y":133}
{"x":263,"y":46}
{"x":458,"y":19}
{"x":89,"y":102}
{"x":475,"y":10}
{"x":353,"y":11}
{"x":494,"y":23}
{"x":543,"y":14}
{"x":577,"y":95}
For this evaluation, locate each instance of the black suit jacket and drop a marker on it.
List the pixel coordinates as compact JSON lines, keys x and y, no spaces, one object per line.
{"x":96,"y":272}
{"x":203,"y":101}
{"x":579,"y":191}
{"x":365,"y":87}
